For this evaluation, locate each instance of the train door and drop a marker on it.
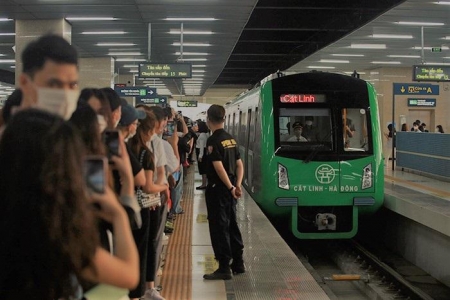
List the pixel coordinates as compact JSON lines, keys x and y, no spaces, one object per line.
{"x":249,"y":149}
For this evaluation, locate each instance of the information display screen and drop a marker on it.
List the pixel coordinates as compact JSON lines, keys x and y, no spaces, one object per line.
{"x":159,"y":70}
{"x":431,"y":73}
{"x":303,"y":98}
{"x":187,"y":103}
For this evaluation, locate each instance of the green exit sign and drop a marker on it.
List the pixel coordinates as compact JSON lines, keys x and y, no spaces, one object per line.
{"x":436,"y":49}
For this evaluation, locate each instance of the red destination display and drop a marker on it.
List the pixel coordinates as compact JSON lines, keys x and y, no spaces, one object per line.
{"x":302,"y":98}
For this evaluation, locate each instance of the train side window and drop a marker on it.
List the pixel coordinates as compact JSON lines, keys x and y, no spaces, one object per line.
{"x":354,"y":129}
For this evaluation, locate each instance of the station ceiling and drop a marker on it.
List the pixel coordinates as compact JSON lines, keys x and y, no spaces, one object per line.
{"x":242,"y":42}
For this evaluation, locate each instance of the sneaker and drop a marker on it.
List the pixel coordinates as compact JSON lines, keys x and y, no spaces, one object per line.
{"x":152,"y":294}
{"x":219,"y":275}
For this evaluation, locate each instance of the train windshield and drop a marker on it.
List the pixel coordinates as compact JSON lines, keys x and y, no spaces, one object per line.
{"x":354,"y":129}
{"x":307,"y":129}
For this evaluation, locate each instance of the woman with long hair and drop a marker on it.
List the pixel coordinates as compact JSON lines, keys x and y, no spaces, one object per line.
{"x":138,"y":144}
{"x":49,"y":240}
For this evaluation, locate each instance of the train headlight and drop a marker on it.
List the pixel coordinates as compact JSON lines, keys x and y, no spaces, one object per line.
{"x":367,"y":180}
{"x":283,"y":179}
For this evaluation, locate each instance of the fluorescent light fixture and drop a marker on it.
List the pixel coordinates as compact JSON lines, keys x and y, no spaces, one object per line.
{"x":103,"y":32}
{"x":192,"y":44}
{"x":392,"y":36}
{"x":190,"y":32}
{"x":5,"y":19}
{"x":198,"y":66}
{"x":336,"y":61}
{"x":91,"y":18}
{"x":7,"y":33}
{"x":115,"y":44}
{"x":320,"y":67}
{"x":368,"y":46}
{"x":437,"y":63}
{"x":190,"y":19}
{"x":13,"y":67}
{"x":130,"y":59}
{"x":2,"y":54}
{"x":351,"y":72}
{"x":420,"y":23}
{"x":198,"y":71}
{"x":130,"y":66}
{"x":446,"y":38}
{"x":125,"y":53}
{"x":133,"y":71}
{"x":442,"y":2}
{"x":405,"y":56}
{"x":191,"y":53}
{"x":7,"y":61}
{"x":386,"y":62}
{"x":198,"y":75}
{"x":429,"y":48}
{"x":350,"y":55}
{"x":193,"y":59}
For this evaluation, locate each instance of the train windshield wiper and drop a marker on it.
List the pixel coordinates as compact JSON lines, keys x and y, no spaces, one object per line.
{"x":313,"y":153}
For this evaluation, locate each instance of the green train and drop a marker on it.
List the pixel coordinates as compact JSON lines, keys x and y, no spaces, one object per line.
{"x":312,"y":151}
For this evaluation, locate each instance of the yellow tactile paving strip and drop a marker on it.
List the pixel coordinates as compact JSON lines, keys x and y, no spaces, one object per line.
{"x":176,"y":278}
{"x":435,"y":191}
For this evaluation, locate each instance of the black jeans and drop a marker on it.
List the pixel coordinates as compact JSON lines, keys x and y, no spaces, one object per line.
{"x":226,"y":238}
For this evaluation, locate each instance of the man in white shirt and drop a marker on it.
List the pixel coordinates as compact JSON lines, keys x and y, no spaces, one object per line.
{"x":298,"y":129}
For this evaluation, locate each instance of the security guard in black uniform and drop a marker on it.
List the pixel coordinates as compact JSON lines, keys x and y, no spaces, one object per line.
{"x":224,"y":172}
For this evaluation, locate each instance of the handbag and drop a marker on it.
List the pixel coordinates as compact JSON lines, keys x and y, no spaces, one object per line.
{"x":146,"y":200}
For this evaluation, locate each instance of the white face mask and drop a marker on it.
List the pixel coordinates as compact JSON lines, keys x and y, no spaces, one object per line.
{"x":309,"y":123}
{"x":60,"y":102}
{"x":101,"y":123}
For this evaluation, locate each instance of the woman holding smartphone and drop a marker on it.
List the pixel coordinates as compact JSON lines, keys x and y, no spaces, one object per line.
{"x":49,"y":238}
{"x":138,"y":145}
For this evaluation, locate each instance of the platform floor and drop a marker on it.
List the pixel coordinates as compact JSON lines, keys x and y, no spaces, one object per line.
{"x":423,"y":199}
{"x":273,"y":270}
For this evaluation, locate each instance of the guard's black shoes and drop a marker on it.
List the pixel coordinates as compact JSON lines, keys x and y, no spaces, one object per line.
{"x":237,"y":268}
{"x":219,"y":275}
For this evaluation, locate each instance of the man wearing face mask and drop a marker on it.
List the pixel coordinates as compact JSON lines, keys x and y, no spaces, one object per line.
{"x":115,"y":104}
{"x":298,"y":130}
{"x":310,"y":132}
{"x":49,"y":78}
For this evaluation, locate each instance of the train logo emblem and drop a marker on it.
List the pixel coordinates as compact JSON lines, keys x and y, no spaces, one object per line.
{"x":325,"y":174}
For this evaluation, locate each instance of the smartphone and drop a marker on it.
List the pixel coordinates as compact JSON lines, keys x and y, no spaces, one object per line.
{"x":94,"y":171}
{"x":111,"y":140}
{"x":170,"y":129}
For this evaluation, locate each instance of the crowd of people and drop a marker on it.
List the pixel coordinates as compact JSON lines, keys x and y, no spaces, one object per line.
{"x":62,"y":234}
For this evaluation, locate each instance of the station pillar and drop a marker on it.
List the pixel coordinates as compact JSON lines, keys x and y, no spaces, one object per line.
{"x":96,"y":72}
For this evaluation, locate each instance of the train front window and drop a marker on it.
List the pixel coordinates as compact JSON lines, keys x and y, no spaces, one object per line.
{"x":305,"y":129}
{"x":354,"y":129}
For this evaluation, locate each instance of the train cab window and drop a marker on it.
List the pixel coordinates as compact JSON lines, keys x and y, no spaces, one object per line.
{"x":305,"y":129}
{"x":354,"y":129}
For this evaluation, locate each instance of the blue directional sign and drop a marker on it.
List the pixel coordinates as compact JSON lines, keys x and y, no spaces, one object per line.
{"x":157,"y":99}
{"x":416,"y":89}
{"x":135,"y":91}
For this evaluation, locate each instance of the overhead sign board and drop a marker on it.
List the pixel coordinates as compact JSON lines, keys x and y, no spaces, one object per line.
{"x":187,"y":103}
{"x":436,"y":49}
{"x":421,"y":102}
{"x":135,"y":91}
{"x":158,"y":100}
{"x":416,"y":89}
{"x":431,"y":73}
{"x":159,"y":70}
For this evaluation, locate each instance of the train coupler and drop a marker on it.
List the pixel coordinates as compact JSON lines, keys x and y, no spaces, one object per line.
{"x":326,"y":221}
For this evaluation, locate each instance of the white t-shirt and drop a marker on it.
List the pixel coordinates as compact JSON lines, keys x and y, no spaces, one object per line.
{"x":158,"y":153}
{"x":172,"y":162}
{"x":201,"y":143}
{"x":296,"y":139}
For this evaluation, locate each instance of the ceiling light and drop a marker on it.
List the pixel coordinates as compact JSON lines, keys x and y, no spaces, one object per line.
{"x":429,"y":48}
{"x":337,"y":61}
{"x":91,"y":18}
{"x":5,"y":19}
{"x":198,"y":75}
{"x":115,"y":44}
{"x":192,"y":44}
{"x":125,"y":53}
{"x":320,"y":67}
{"x":368,"y":46}
{"x":193,"y":59}
{"x":405,"y":56}
{"x":392,"y":36}
{"x":7,"y":33}
{"x":446,"y":38}
{"x":133,"y":71}
{"x":386,"y":62}
{"x":190,"y":32}
{"x":13,"y":67}
{"x":191,"y":53}
{"x":198,"y":71}
{"x":130,"y":66}
{"x":103,"y":32}
{"x":130,"y":59}
{"x":190,"y":19}
{"x":420,"y":23}
{"x":198,"y":66}
{"x":7,"y":61}
{"x":351,"y":72}
{"x":351,"y":55}
{"x":442,"y":2}
{"x":437,"y":63}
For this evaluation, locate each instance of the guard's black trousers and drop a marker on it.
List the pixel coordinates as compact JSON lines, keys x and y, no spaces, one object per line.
{"x":226,"y":237}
